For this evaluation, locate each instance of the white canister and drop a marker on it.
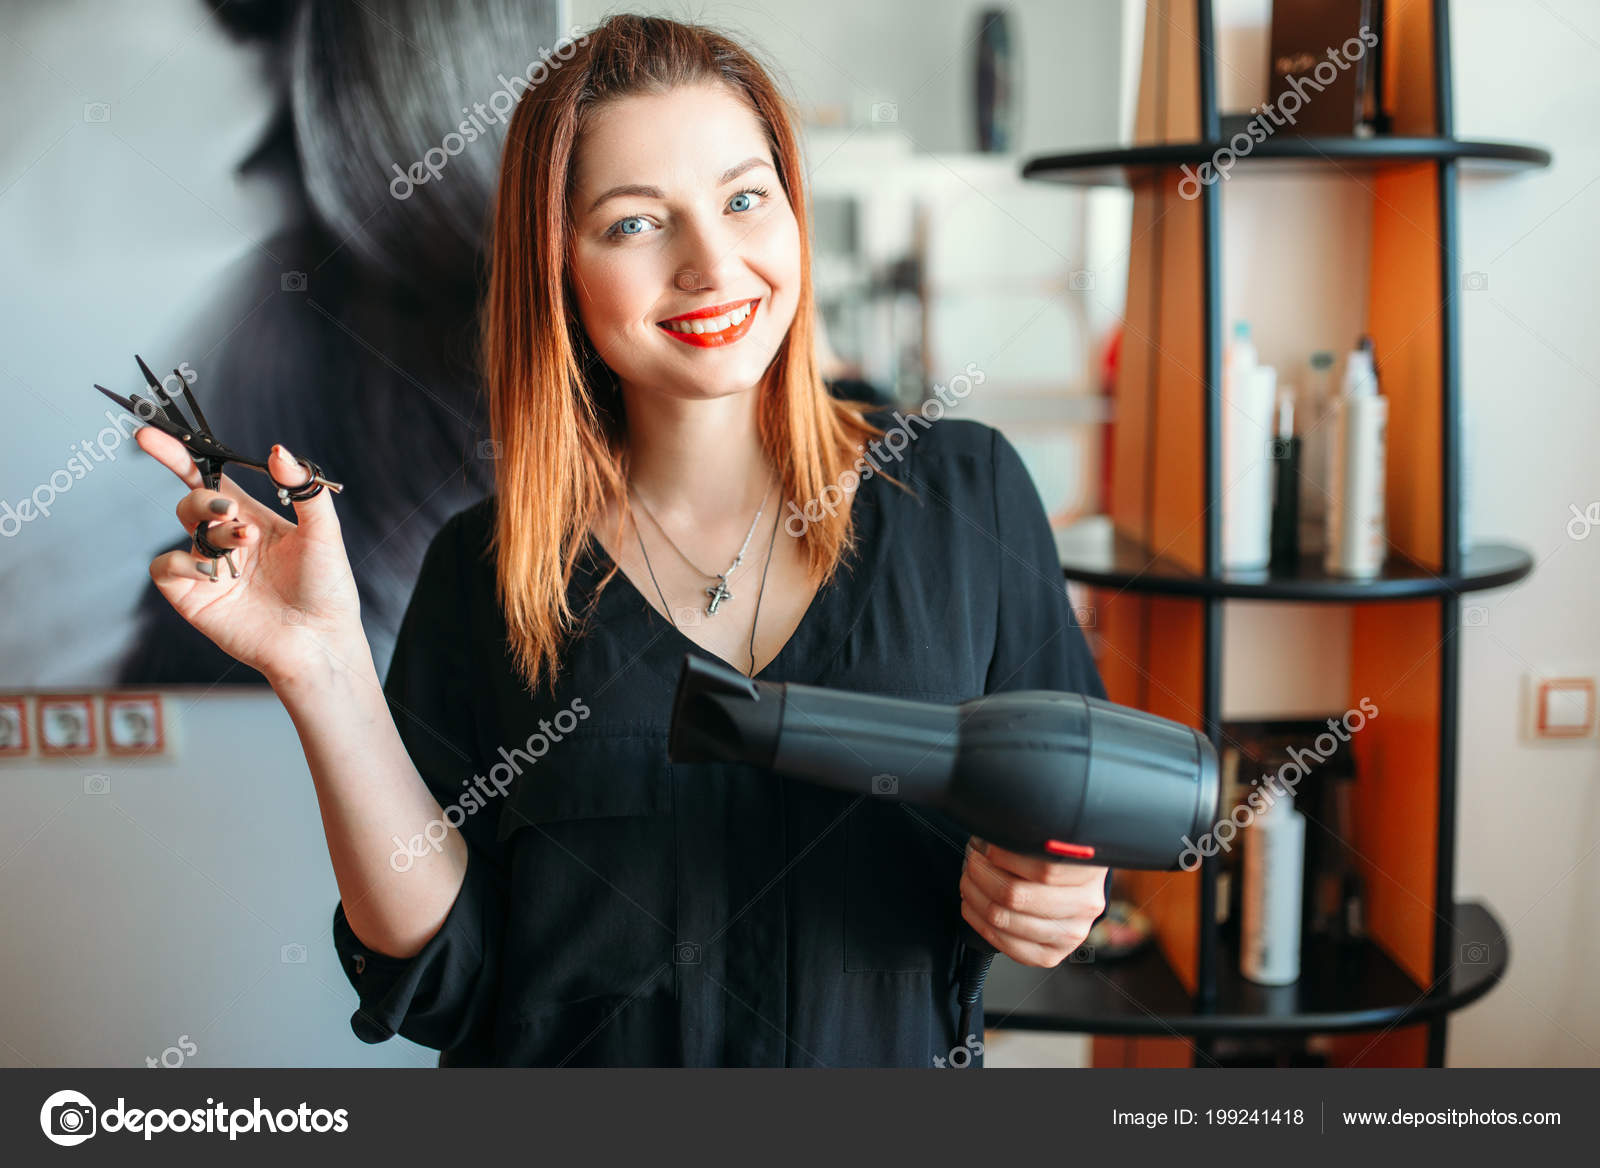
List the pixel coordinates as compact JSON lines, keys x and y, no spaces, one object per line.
{"x":1274,"y":864}
{"x":1357,"y":526}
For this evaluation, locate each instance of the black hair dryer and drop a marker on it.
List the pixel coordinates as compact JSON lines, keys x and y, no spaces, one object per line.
{"x":1060,"y":776}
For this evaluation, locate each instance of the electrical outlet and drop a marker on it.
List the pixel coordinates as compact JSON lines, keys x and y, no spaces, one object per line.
{"x":1560,"y":705}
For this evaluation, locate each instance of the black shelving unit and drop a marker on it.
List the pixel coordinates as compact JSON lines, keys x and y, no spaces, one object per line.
{"x":1340,"y":989}
{"x":1357,"y":988}
{"x":1131,"y":566}
{"x":1113,"y":168}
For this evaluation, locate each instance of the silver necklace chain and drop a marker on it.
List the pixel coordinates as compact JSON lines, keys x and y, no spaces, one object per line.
{"x":719,"y":592}
{"x":760,"y":592}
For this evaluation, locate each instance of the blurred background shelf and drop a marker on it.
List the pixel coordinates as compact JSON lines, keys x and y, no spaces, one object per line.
{"x":1340,"y":989}
{"x":1130,"y":165}
{"x":1130,"y":565}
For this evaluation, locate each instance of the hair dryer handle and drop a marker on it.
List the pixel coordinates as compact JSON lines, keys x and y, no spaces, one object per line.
{"x":973,"y":939}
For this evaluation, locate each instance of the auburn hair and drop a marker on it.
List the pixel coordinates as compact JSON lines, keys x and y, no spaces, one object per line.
{"x":555,"y":408}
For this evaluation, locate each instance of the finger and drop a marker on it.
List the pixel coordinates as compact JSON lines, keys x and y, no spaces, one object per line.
{"x":1020,"y":895}
{"x":1045,"y":930}
{"x":236,"y":538}
{"x":170,"y":453}
{"x":233,"y":533}
{"x":1026,"y":952}
{"x":177,"y":573}
{"x":226,"y":524}
{"x":315,"y":514}
{"x":208,"y":506}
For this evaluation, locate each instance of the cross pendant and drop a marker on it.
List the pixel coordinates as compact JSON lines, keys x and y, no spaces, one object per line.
{"x":718,"y":594}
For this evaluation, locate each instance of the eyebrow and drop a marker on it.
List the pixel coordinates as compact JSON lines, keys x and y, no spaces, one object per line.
{"x":645,"y":192}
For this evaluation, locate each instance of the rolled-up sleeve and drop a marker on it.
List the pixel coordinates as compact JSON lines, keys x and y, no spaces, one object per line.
{"x":444,"y":996}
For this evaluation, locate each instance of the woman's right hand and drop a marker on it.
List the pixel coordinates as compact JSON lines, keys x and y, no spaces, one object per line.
{"x":294,"y":612}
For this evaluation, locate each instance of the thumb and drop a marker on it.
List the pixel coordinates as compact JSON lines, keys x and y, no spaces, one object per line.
{"x":315,"y":514}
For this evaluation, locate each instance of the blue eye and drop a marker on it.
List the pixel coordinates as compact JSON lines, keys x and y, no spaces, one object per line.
{"x":759,"y":191}
{"x":620,"y":227}
{"x":622,"y":223}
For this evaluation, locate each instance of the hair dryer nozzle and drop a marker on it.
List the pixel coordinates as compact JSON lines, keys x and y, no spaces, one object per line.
{"x":720,"y":715}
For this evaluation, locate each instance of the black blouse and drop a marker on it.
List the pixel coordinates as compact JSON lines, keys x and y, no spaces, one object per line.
{"x":622,"y":910}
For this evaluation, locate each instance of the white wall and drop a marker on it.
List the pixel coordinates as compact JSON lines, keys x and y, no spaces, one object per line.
{"x":1529,"y":837}
{"x":160,"y":909}
{"x":844,"y":55}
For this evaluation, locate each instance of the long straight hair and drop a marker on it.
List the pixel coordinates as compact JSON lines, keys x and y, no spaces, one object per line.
{"x":555,"y":409}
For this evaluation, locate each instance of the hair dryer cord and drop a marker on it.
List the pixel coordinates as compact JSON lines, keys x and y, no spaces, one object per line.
{"x":976,"y":957}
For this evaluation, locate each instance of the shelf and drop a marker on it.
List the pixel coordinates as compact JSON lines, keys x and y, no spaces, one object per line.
{"x":1126,"y":166}
{"x":1361,"y":989}
{"x":1131,"y":566}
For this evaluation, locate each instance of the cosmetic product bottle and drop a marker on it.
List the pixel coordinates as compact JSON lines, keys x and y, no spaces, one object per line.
{"x":1286,"y":487}
{"x":1315,"y":426}
{"x":1274,"y":861}
{"x":1242,"y":349}
{"x":1357,"y":537}
{"x":1248,"y":392}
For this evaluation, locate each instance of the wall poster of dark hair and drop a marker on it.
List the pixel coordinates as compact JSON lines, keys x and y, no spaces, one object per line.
{"x":289,"y":224}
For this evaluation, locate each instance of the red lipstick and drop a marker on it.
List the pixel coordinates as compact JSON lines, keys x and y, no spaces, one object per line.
{"x":713,"y":340}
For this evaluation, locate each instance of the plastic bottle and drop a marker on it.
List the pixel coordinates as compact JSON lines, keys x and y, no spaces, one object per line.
{"x":1357,"y":535}
{"x":1248,"y":394}
{"x":1285,"y":540}
{"x":1274,"y":867}
{"x":1314,"y":422}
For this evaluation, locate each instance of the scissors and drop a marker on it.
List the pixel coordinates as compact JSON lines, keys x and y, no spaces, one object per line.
{"x":209,"y":454}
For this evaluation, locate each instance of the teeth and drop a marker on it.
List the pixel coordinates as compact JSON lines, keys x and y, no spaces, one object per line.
{"x":714,"y":324}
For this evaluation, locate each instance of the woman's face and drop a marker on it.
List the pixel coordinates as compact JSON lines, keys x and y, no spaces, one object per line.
{"x":700,"y":222}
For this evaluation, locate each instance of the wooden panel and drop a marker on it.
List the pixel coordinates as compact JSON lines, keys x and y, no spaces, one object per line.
{"x":1151,"y":659}
{"x":1169,"y":81}
{"x":1409,"y":90}
{"x":1406,"y":1047}
{"x":1133,"y":396}
{"x":1395,"y":664}
{"x":1156,"y":489}
{"x":1151,"y":646}
{"x":1404,"y":321}
{"x":1117,"y":1051}
{"x":1395,"y":647}
{"x":1158,"y":457}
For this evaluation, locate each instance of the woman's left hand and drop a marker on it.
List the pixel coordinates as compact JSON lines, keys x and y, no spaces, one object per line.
{"x":1034,"y":911}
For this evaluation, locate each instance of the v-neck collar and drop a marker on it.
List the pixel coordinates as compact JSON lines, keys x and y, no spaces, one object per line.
{"x":834,"y":611}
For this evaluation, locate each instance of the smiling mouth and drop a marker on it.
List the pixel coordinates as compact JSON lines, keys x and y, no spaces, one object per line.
{"x":714,"y":331}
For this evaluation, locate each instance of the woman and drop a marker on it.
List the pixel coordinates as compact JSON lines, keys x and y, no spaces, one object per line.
{"x":525,"y":879}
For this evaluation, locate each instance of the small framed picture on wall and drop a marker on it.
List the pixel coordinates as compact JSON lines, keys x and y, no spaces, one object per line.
{"x":13,"y":727}
{"x":133,"y":724}
{"x":65,"y":724}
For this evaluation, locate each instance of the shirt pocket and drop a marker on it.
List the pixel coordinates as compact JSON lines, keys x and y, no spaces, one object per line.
{"x":902,"y":894}
{"x":591,"y":842}
{"x":601,"y":779}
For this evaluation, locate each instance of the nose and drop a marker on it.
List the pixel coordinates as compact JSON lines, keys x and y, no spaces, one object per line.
{"x":708,"y":254}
